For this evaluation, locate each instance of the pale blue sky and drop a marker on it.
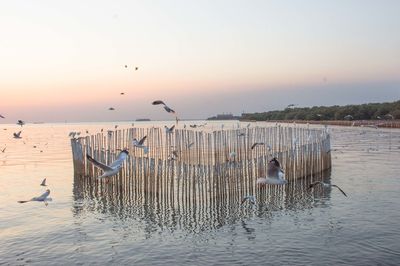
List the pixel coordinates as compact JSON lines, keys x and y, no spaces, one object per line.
{"x":61,"y":56}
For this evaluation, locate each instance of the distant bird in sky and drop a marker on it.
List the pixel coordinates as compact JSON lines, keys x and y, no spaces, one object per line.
{"x":43,"y":184}
{"x":21,"y":123}
{"x":111,"y":108}
{"x":166,"y":107}
{"x":140,"y":144}
{"x":1,"y":116}
{"x":250,"y":198}
{"x":4,"y":149}
{"x":256,"y":144}
{"x":169,"y":129}
{"x":136,"y":68}
{"x":112,"y":169}
{"x":275,"y":174}
{"x":17,"y":135}
{"x":326,"y":185}
{"x":126,"y":66}
{"x":42,"y":198}
{"x":122,"y":93}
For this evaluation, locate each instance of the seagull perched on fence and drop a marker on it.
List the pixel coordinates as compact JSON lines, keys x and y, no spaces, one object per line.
{"x":17,"y":135}
{"x":43,"y":184}
{"x":275,"y":174}
{"x":326,"y":185}
{"x":169,"y":129}
{"x":43,"y":198}
{"x":140,"y":144}
{"x":112,"y":169}
{"x":250,"y":198}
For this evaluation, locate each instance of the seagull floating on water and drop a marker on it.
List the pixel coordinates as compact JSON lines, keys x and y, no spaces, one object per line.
{"x":275,"y":174}
{"x":112,"y":169}
{"x":43,"y":198}
{"x":326,"y":185}
{"x":140,"y":144}
{"x":43,"y":184}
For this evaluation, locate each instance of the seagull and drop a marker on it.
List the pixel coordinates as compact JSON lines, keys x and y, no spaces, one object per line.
{"x":348,"y":117}
{"x":275,"y":174}
{"x":139,"y":144}
{"x":72,"y":134}
{"x":43,"y":184}
{"x":116,"y":126}
{"x":4,"y":149}
{"x":250,"y":198}
{"x":189,"y":145}
{"x":231,"y":157}
{"x":241,"y":134}
{"x":21,"y":123}
{"x":114,"y":168}
{"x":326,"y":185}
{"x":44,"y":198}
{"x":168,"y":109}
{"x":255,"y":144}
{"x":17,"y":135}
{"x":126,"y":66}
{"x":2,"y":116}
{"x":169,"y":129}
{"x":136,"y":68}
{"x":193,"y":126}
{"x":122,"y":93}
{"x":111,"y":108}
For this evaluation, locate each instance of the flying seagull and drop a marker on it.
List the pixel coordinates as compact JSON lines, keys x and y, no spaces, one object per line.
{"x":111,"y":108}
{"x":4,"y":149}
{"x":169,"y":129}
{"x":326,"y":185}
{"x":112,"y":169}
{"x":17,"y":135}
{"x":2,"y":116}
{"x":250,"y":198}
{"x":43,"y":184}
{"x":275,"y":174}
{"x":43,"y":198}
{"x":136,"y":68}
{"x":140,"y":144}
{"x":168,"y":109}
{"x":122,"y":93}
{"x":21,"y":123}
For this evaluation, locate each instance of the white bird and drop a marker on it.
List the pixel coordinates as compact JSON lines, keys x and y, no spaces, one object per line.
{"x":140,"y":144}
{"x":275,"y":174}
{"x":17,"y":135}
{"x":250,"y":198}
{"x":43,"y":198}
{"x":112,"y":169}
{"x":326,"y":185}
{"x":43,"y":184}
{"x":169,"y":129}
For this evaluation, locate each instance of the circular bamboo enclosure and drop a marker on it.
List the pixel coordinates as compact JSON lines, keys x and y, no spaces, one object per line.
{"x":202,"y":165}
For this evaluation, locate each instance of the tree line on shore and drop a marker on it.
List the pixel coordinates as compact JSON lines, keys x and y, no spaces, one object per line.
{"x":369,"y":111}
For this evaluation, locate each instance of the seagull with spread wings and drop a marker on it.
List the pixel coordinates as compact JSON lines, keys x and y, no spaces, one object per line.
{"x":17,"y":135}
{"x":43,"y":184}
{"x":169,"y":129}
{"x":140,"y":144}
{"x":112,"y":169}
{"x":275,"y":174}
{"x":326,"y":185}
{"x":43,"y":198}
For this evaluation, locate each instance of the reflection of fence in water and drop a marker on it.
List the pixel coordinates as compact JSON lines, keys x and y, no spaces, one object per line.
{"x":176,"y":213}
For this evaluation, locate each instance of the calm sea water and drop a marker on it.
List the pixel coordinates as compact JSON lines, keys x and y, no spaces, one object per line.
{"x":320,"y":227}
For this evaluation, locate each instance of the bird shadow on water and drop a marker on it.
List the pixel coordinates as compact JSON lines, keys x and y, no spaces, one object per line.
{"x":159,"y":213}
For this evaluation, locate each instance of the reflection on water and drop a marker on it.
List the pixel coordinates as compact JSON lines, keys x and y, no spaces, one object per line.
{"x":194,"y":214}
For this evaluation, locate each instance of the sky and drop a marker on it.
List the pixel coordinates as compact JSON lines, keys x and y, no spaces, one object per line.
{"x":65,"y":60}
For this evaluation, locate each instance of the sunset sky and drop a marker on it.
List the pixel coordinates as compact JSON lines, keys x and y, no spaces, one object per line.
{"x":64,"y":60}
